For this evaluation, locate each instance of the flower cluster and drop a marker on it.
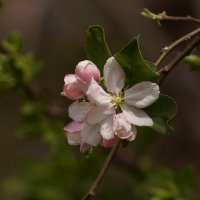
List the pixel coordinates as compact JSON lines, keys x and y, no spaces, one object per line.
{"x":105,"y":110}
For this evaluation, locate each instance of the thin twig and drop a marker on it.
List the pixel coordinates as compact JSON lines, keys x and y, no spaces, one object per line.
{"x":92,"y":191}
{"x":164,"y":16}
{"x":169,"y":48}
{"x":170,"y":66}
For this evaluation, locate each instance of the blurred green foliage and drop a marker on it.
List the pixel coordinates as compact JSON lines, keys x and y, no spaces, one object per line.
{"x":62,"y":173}
{"x":16,"y":68}
{"x":193,"y":61}
{"x":162,"y":183}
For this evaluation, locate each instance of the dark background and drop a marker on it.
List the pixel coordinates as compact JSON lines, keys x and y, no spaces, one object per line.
{"x":55,"y":32}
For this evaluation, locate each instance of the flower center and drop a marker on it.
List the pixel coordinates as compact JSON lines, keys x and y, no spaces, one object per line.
{"x":117,"y":99}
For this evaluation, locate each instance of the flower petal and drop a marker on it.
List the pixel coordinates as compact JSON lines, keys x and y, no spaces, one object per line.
{"x":73,"y":132}
{"x":78,"y":110}
{"x":73,"y":127}
{"x":107,"y":128}
{"x":90,"y":134}
{"x":98,"y":113}
{"x":74,"y":138}
{"x":114,"y":75}
{"x":136,"y":116}
{"x":122,"y":128}
{"x":142,"y":94}
{"x":97,"y":95}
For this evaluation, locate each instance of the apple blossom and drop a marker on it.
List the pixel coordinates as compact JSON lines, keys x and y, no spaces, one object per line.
{"x":85,"y":70}
{"x":110,"y":113}
{"x":71,"y":88}
{"x":128,"y":101}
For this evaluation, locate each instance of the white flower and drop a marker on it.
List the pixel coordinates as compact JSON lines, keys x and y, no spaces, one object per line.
{"x":100,"y":112}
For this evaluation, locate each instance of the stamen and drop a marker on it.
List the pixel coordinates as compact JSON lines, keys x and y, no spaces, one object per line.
{"x":117,"y":99}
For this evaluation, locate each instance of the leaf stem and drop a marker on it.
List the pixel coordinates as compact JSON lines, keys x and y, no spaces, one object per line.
{"x":92,"y":191}
{"x":180,"y":55}
{"x":168,"y":49}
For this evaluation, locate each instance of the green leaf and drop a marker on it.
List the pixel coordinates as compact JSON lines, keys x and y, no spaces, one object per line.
{"x":193,"y":61}
{"x":162,"y":112}
{"x":96,"y":48}
{"x":136,"y":68}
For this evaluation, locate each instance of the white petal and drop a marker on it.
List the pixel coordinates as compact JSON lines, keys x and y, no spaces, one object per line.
{"x":107,"y":128}
{"x":98,"y":113}
{"x":136,"y":116}
{"x":142,"y":94}
{"x":114,"y":75}
{"x":90,"y":134}
{"x":78,"y":110}
{"x":74,"y":138}
{"x":97,"y":95}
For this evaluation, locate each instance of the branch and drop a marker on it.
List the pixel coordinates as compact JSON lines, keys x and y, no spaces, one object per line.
{"x":170,"y":66}
{"x":92,"y":191}
{"x":169,"y":48}
{"x":165,"y":17}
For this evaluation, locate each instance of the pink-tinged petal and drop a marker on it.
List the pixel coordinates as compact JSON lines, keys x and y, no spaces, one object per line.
{"x":90,"y":135}
{"x":107,"y":128}
{"x":73,"y":127}
{"x":73,"y":133}
{"x":74,"y":138}
{"x":109,"y":143}
{"x":122,"y":127}
{"x":142,"y":94}
{"x":114,"y":75}
{"x":136,"y":116}
{"x":78,"y":110}
{"x":84,"y":147}
{"x":86,"y":70}
{"x":71,"y":88}
{"x":98,"y":113}
{"x":97,"y":95}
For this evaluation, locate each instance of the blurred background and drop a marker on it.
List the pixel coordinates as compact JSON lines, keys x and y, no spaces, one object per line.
{"x":36,"y":163}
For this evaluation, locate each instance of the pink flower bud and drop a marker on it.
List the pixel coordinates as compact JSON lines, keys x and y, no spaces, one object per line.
{"x":72,"y":88}
{"x":86,"y":70}
{"x":108,"y":143}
